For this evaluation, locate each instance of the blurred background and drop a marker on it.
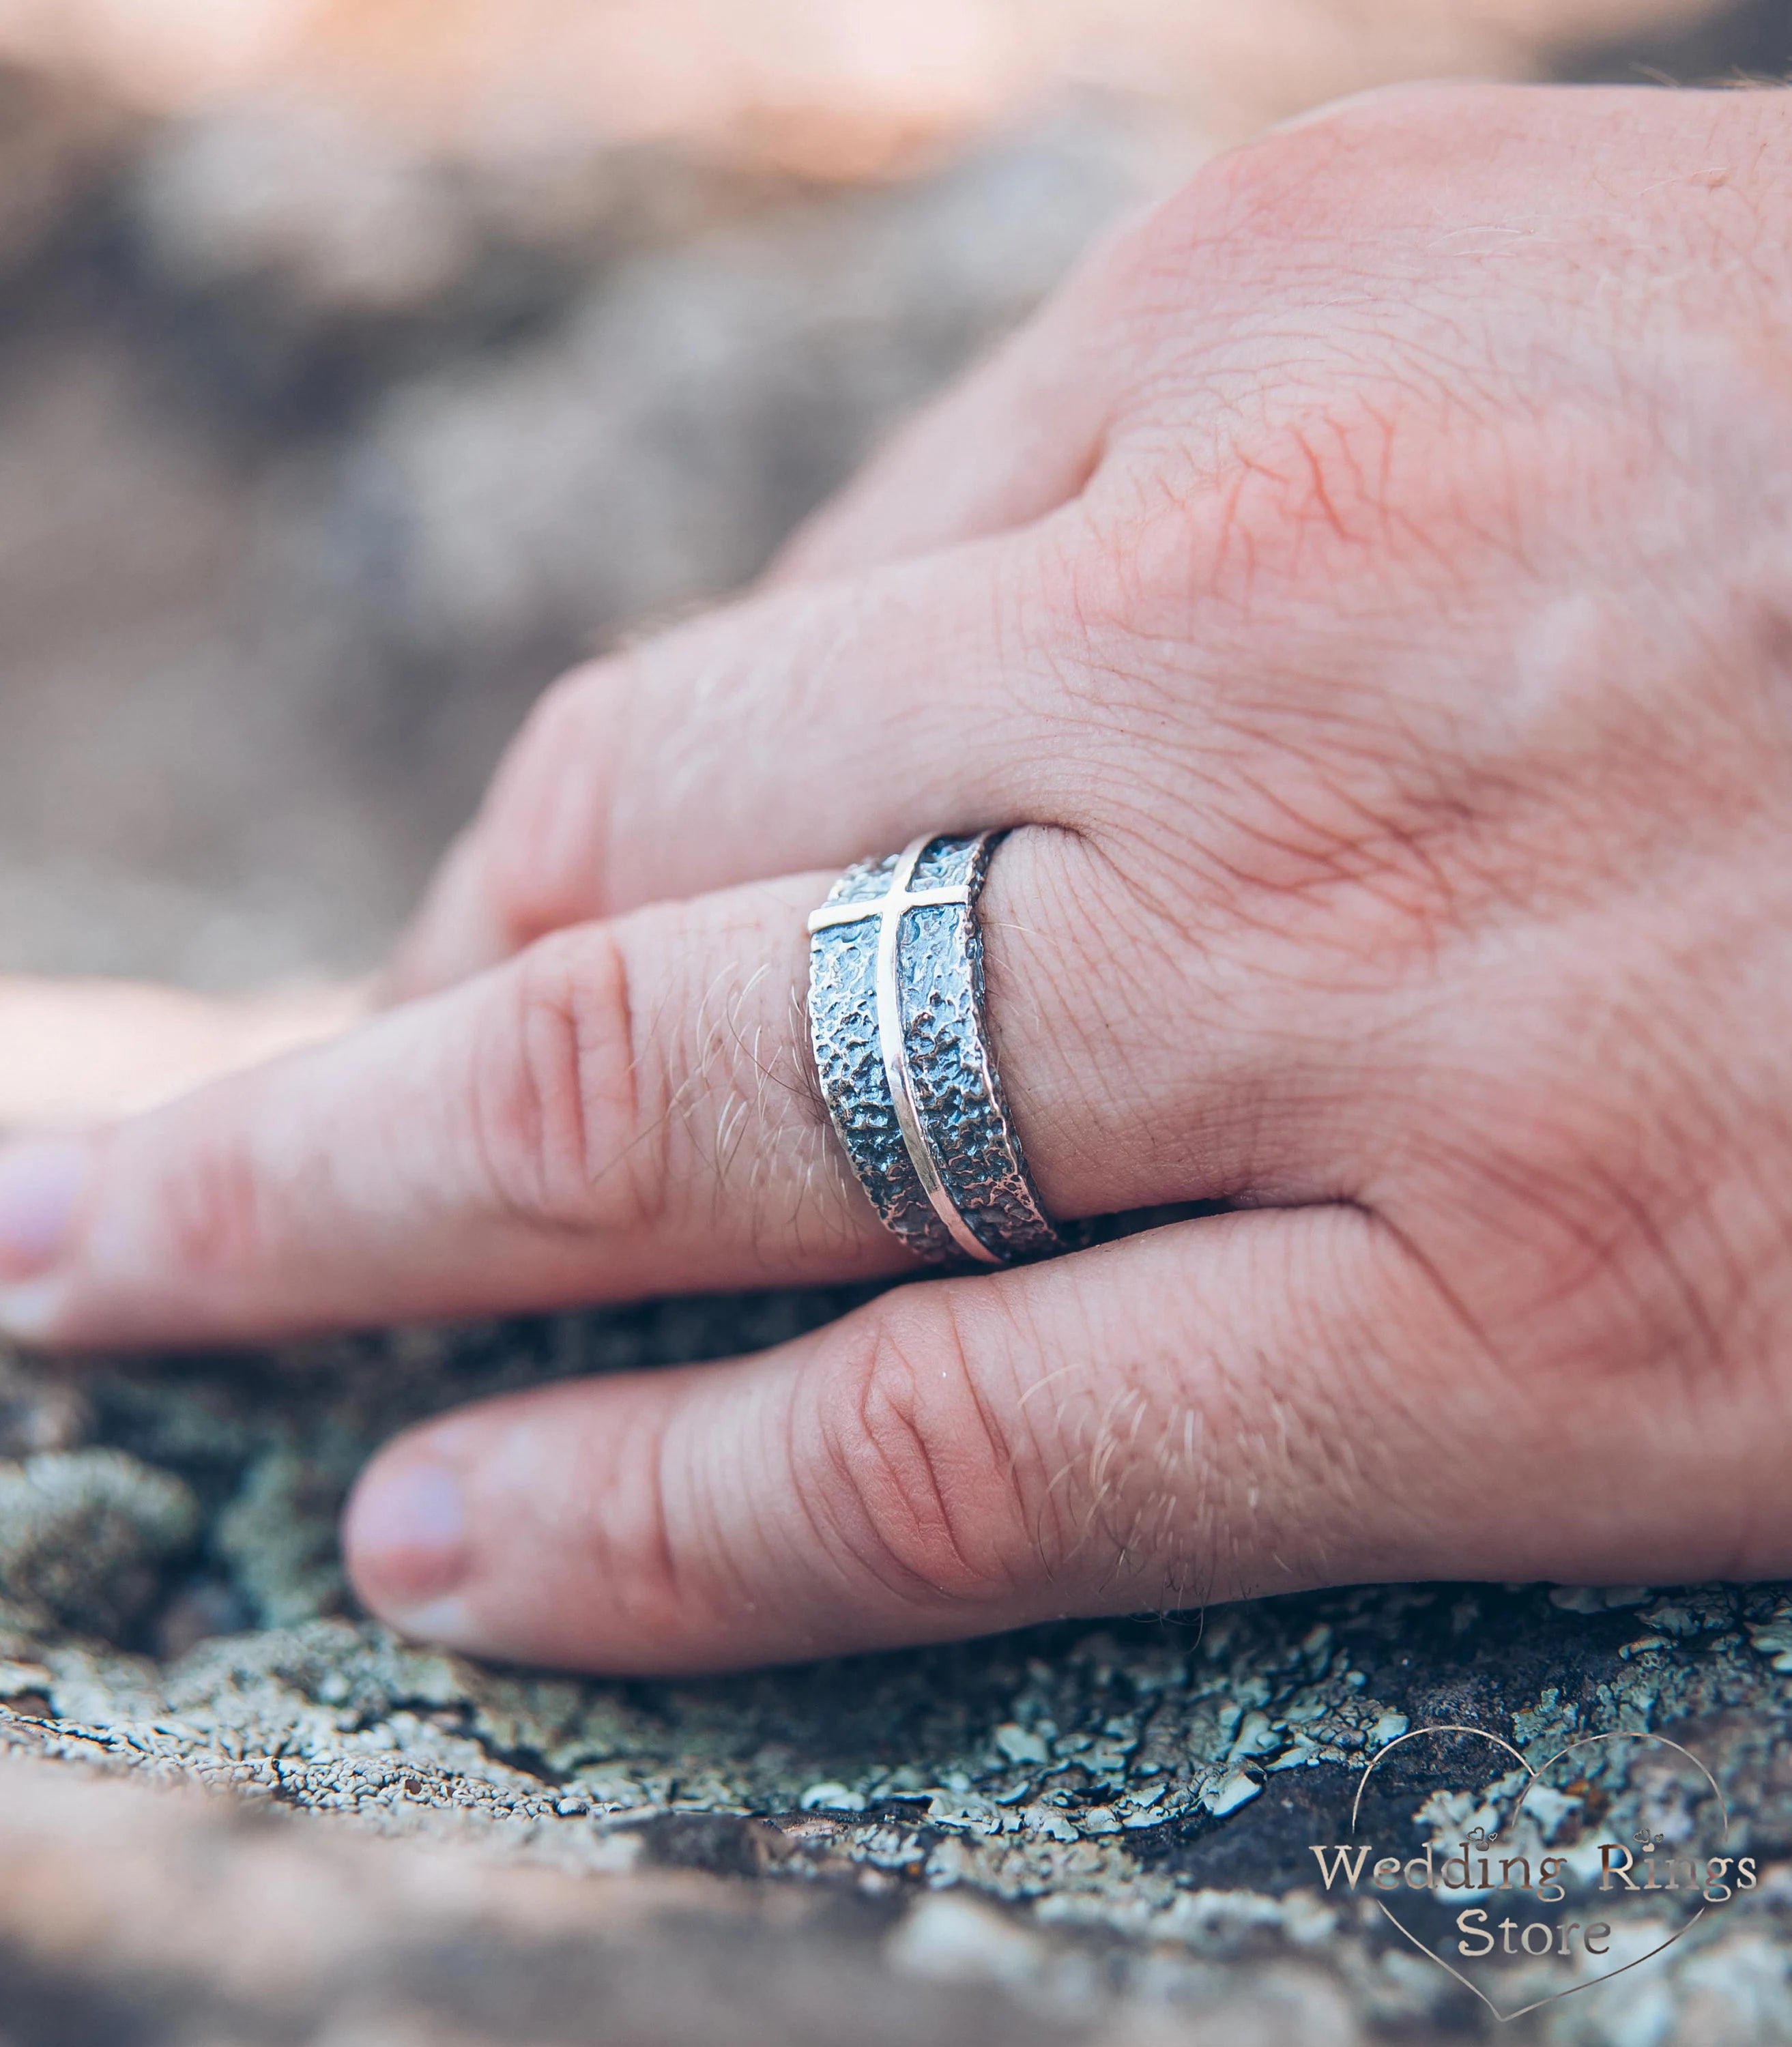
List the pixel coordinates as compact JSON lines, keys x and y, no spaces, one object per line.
{"x":364,"y":362}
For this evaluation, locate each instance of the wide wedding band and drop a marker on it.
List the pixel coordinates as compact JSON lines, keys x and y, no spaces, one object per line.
{"x":903,"y":1055}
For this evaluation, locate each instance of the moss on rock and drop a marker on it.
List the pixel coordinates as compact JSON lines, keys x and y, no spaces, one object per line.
{"x":176,"y":1609}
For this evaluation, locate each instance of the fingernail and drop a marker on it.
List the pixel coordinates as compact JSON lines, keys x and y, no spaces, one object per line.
{"x":28,"y":1313}
{"x":40,"y":1184}
{"x":406,"y":1535}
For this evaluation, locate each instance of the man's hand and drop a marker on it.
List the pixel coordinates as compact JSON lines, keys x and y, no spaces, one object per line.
{"x":1368,"y":589}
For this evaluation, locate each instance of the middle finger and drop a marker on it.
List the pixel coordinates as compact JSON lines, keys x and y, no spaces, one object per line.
{"x":792,"y":730}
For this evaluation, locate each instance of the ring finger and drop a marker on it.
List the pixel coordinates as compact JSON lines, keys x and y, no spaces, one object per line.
{"x":625,"y":1109}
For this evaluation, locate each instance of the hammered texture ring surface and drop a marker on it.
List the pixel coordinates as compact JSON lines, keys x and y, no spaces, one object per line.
{"x":895,"y":1018}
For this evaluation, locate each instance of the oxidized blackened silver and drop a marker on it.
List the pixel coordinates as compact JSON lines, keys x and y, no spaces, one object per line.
{"x":896,"y":1017}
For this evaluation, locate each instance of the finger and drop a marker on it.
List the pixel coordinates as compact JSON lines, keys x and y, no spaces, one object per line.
{"x":1249,"y":1403}
{"x":1132,"y":1427}
{"x":72,"y":1052}
{"x":802,"y":729}
{"x":628,"y":1108}
{"x":1010,"y":442}
{"x":619,"y":1110}
{"x":1254,"y":1402}
{"x":880,"y":673}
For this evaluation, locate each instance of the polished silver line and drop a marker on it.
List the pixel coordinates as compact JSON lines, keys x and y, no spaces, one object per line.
{"x":831,"y":915}
{"x":891,"y":1044}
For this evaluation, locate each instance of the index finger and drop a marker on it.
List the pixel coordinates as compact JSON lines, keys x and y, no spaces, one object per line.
{"x":73,"y":1052}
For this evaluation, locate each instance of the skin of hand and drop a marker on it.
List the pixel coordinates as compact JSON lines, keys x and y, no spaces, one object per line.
{"x":74,"y":1051}
{"x":1367,"y":589}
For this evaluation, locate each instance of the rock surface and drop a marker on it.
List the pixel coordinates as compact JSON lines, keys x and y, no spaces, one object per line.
{"x":129,"y":1916}
{"x":1084,"y":1829}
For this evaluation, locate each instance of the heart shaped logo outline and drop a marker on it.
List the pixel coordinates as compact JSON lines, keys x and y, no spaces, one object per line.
{"x":1531,"y":1777}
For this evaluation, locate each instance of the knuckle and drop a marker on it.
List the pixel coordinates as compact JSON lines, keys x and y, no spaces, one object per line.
{"x":918,"y":1481}
{"x":1344,"y":489}
{"x":1337,"y":170}
{"x":1368,"y":154}
{"x":557,"y":1091}
{"x":640,"y":1523}
{"x":1619,"y":1225}
{"x":1417,"y":115}
{"x":544,"y":823}
{"x":214,"y":1208}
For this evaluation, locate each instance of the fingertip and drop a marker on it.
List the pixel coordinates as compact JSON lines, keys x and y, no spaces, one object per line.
{"x":443,"y":1623}
{"x":43,"y":1184}
{"x":42,"y":1180}
{"x":31,"y":1315}
{"x":407,"y":1541}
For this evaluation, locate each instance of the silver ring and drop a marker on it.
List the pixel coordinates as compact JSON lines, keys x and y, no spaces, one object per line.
{"x":896,"y":1020}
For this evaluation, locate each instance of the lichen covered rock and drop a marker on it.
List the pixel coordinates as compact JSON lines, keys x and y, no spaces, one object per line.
{"x":85,"y":1537}
{"x":1113,"y":1805}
